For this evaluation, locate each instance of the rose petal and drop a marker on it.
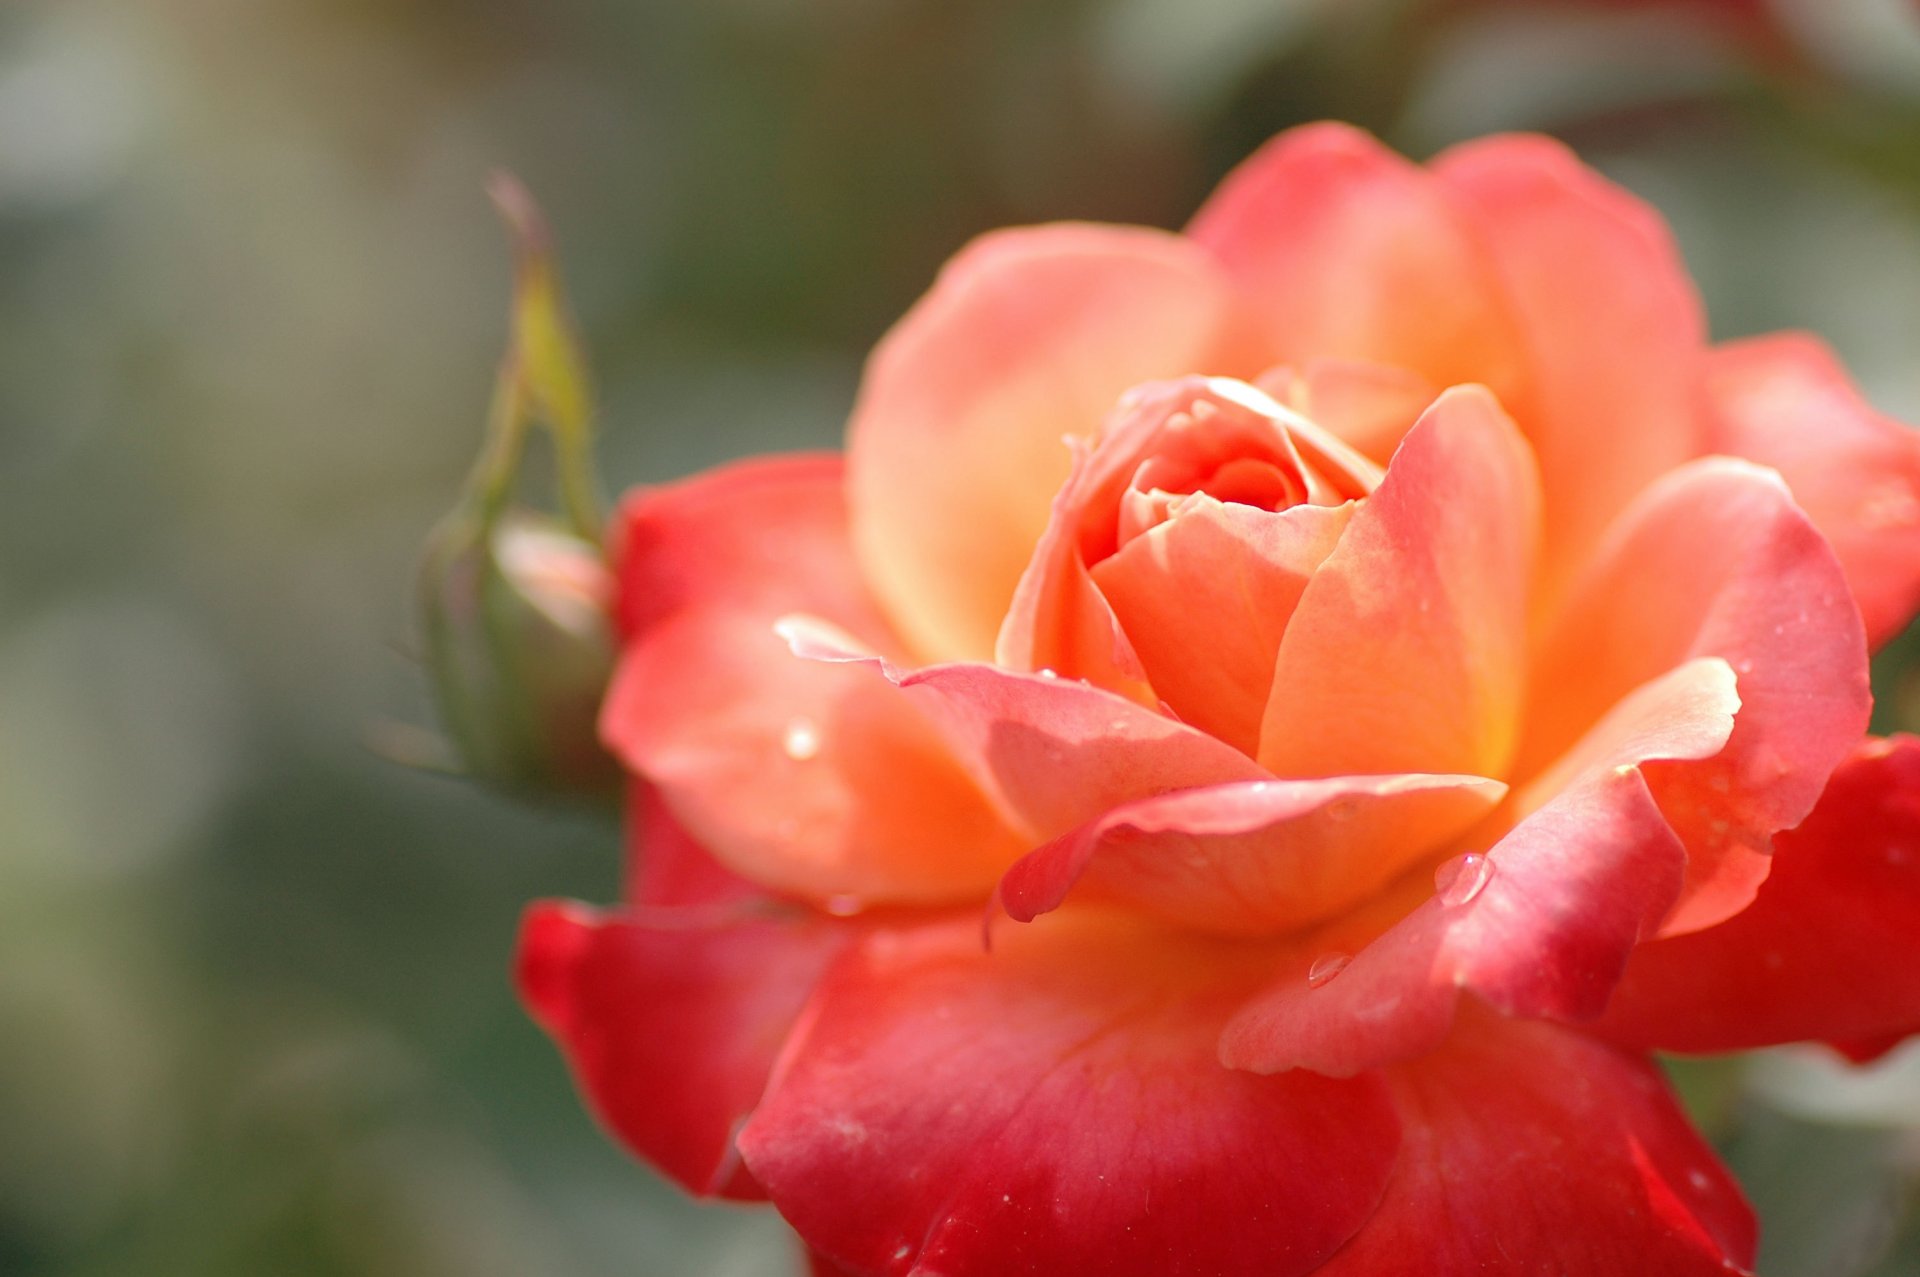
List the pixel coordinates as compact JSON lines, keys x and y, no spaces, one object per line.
{"x":766,"y":535}
{"x":1204,"y":600}
{"x":1407,"y":651}
{"x":1252,"y":858}
{"x":955,"y":446}
{"x":671,"y":1019}
{"x":803,"y":777}
{"x":1055,"y":1107}
{"x":665,"y":866}
{"x":1829,"y":948}
{"x":1347,"y":251}
{"x":1529,"y":1148}
{"x":1785,"y":401}
{"x":1610,"y":322}
{"x":807,"y":778}
{"x":1714,"y":559}
{"x":1370,"y":406}
{"x":1542,"y":927}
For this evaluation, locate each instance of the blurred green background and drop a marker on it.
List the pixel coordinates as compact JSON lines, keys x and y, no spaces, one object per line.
{"x":254,"y":1012}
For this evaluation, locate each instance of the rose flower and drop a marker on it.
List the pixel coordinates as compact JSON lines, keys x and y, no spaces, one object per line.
{"x":1374,"y":668}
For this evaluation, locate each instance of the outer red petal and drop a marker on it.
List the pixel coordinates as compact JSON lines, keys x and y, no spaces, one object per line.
{"x":1612,"y":328}
{"x":1531,"y":1149}
{"x":1829,"y":949}
{"x":1055,"y":1107}
{"x":1407,"y":651}
{"x":803,"y":777}
{"x":766,"y":535}
{"x":955,"y":448}
{"x":671,"y":1019}
{"x":1349,"y":252}
{"x":1254,"y":858}
{"x":1543,"y":931}
{"x":1785,"y":401}
{"x":1715,"y":560}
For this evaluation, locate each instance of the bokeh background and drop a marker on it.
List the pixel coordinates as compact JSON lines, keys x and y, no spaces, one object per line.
{"x":254,"y":1011}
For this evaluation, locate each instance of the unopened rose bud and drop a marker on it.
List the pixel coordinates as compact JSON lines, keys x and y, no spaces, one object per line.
{"x":513,"y":602}
{"x":519,"y":649}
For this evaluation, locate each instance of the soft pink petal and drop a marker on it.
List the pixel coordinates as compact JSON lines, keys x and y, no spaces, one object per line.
{"x":1830,"y":947}
{"x":1349,"y":252}
{"x":808,"y":778}
{"x":802,"y":777}
{"x":1530,"y":1149}
{"x":1786,"y":402}
{"x":1715,"y":560}
{"x":955,"y":448}
{"x":1252,"y":858}
{"x":1541,"y":927}
{"x":1610,"y":324}
{"x":1407,"y":651}
{"x":672,"y":1018}
{"x":1055,"y":1107}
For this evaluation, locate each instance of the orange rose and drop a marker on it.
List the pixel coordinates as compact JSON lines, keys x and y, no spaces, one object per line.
{"x":1384,"y":708}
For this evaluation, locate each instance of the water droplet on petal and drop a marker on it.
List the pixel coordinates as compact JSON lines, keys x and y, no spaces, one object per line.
{"x":802,"y":740}
{"x":1461,"y":879}
{"x":1325,"y":967}
{"x":1049,"y":673}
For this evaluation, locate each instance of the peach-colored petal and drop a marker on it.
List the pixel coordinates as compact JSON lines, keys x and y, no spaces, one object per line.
{"x":1054,"y":752}
{"x":1256,"y":857}
{"x":1369,"y":406}
{"x":799,"y":776}
{"x":1205,"y":598}
{"x":1349,"y":252}
{"x":1540,"y":925}
{"x":955,"y":448}
{"x":1609,"y":321}
{"x":1786,"y":402}
{"x":1407,"y":651}
{"x":1715,"y":560}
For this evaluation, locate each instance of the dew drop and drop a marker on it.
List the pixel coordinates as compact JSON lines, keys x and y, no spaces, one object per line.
{"x":802,"y":740}
{"x":1049,"y":673}
{"x":1325,"y":967}
{"x":1461,"y":879}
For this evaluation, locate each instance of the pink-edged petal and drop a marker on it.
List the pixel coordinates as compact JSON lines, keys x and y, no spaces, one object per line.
{"x":1204,"y":599}
{"x":1540,"y":926}
{"x":808,"y":778}
{"x":1347,"y":251}
{"x":1532,"y":1149}
{"x":671,"y":1019}
{"x":1830,"y":947}
{"x":1407,"y":652}
{"x":1785,"y":401}
{"x":955,"y":447}
{"x":1259,"y":857}
{"x":766,"y":535}
{"x":1611,"y":325}
{"x":1053,"y":752}
{"x":802,"y":777}
{"x":1055,"y":1107}
{"x":1715,"y":559}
